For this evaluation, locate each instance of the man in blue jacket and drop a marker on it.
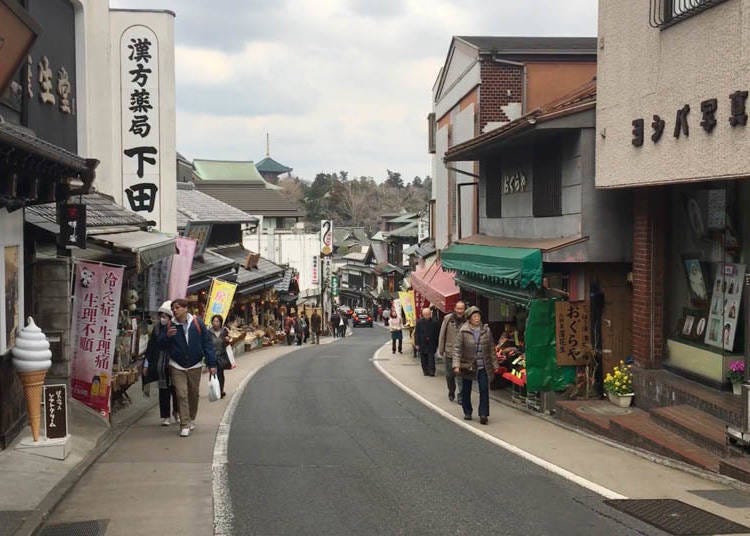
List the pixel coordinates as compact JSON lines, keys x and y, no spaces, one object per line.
{"x":187,"y":341}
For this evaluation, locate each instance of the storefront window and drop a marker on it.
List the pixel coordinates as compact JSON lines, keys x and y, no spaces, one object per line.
{"x":706,"y":264}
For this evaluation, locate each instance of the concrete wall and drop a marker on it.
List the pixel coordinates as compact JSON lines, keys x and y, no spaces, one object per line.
{"x":295,"y":249}
{"x":605,"y":217}
{"x":644,"y":71}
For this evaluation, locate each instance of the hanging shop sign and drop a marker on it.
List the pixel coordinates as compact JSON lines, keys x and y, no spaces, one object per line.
{"x":334,"y":286}
{"x":327,"y":269}
{"x":96,"y":309}
{"x":326,"y":237}
{"x":573,"y":332}
{"x":72,"y":226}
{"x":315,"y":270}
{"x":423,"y":228}
{"x":182,"y":264}
{"x":406,"y":299}
{"x":725,"y":306}
{"x":707,"y":116}
{"x":219,"y":299}
{"x":198,"y":232}
{"x":55,"y":411}
{"x":141,"y":150}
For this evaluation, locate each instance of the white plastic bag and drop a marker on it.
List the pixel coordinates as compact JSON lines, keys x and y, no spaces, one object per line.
{"x":214,"y":390}
{"x":230,"y":355}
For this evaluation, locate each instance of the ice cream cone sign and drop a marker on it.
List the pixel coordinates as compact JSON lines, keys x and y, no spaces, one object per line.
{"x":32,"y":358}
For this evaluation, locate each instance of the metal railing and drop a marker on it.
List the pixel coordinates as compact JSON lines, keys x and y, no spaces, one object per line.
{"x":665,"y":13}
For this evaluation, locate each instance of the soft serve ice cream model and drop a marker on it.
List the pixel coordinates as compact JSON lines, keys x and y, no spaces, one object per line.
{"x":32,"y":358}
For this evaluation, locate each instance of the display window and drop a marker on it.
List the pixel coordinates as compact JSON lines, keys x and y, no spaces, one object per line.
{"x":707,"y":254}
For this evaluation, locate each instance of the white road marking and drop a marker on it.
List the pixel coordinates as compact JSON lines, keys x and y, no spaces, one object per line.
{"x":544,"y":464}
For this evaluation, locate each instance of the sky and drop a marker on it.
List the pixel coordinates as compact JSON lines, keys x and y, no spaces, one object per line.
{"x":338,"y":84}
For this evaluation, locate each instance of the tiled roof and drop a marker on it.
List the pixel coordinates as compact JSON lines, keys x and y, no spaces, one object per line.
{"x":410,"y":230}
{"x":101,"y":211}
{"x":269,"y":165}
{"x":227,"y":170}
{"x":255,"y":201}
{"x":404,"y":218}
{"x":195,"y":206}
{"x":531,"y":45}
{"x":210,"y":264}
{"x":266,"y":271}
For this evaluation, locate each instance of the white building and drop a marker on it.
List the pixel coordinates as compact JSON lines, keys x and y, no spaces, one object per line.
{"x":119,"y":111}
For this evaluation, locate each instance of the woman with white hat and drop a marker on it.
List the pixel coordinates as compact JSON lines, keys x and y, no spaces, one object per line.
{"x":156,"y":367}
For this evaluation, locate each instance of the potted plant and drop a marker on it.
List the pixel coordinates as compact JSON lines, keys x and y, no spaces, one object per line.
{"x":619,"y":385}
{"x":736,"y":375}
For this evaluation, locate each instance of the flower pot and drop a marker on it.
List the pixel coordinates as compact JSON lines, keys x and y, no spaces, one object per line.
{"x":737,"y":388}
{"x":622,"y":401}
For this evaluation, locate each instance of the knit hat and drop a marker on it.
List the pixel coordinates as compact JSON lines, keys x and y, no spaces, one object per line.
{"x":166,"y":308}
{"x":471,"y":310}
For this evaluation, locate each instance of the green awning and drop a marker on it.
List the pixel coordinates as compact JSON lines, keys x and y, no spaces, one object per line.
{"x":517,"y":296}
{"x":513,"y":267}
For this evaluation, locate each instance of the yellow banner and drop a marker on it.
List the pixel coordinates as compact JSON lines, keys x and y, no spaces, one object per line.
{"x":219,"y":299}
{"x":407,"y":304}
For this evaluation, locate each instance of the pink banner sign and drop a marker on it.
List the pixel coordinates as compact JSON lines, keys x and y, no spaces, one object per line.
{"x":96,"y":307}
{"x":182,"y":264}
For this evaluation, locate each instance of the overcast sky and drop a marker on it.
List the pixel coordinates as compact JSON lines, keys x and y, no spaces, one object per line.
{"x":338,"y":84}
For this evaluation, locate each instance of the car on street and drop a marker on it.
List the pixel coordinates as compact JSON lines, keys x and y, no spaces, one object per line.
{"x":361,"y":318}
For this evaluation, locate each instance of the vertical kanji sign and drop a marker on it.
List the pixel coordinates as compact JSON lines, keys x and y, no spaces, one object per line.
{"x":141,"y":150}
{"x":573,"y":332}
{"x":96,"y":308}
{"x":55,"y":411}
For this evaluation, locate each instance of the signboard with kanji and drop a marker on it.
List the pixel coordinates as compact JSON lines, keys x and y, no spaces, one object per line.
{"x":96,"y":310}
{"x":573,"y":330}
{"x":55,"y":411}
{"x":72,"y":226}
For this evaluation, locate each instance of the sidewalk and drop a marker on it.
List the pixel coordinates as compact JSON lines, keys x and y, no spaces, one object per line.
{"x":612,"y":470}
{"x":110,"y":466}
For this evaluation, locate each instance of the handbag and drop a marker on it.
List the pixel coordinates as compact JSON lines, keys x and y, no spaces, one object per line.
{"x":214,"y":390}
{"x":467,"y":368}
{"x":222,"y":360}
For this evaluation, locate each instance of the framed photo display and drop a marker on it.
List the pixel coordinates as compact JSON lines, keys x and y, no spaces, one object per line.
{"x":692,"y":325}
{"x":725,"y":305}
{"x":697,"y":279}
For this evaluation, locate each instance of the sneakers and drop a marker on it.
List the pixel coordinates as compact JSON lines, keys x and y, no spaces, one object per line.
{"x":467,"y":417}
{"x":176,"y":418}
{"x":185,"y":432}
{"x":165,"y":422}
{"x":191,"y":426}
{"x":482,"y":420}
{"x":451,"y":397}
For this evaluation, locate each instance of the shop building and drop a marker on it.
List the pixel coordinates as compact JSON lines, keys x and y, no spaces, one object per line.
{"x":544,"y":229}
{"x":672,"y":133}
{"x":484,"y":83}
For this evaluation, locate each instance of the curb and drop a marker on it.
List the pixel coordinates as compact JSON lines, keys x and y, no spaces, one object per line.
{"x":39,"y":515}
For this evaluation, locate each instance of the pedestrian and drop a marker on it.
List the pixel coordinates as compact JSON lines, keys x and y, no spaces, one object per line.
{"x":316,"y":322}
{"x":426,"y":337}
{"x":448,"y":335}
{"x":386,"y":316}
{"x":187,"y":342}
{"x":290,"y":328}
{"x":303,"y":329}
{"x":335,"y":319}
{"x":220,"y":338}
{"x":395,"y":326}
{"x":342,"y":324}
{"x":156,"y":368}
{"x":474,"y":359}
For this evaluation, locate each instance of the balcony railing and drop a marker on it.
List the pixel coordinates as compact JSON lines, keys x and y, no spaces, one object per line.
{"x":665,"y":13}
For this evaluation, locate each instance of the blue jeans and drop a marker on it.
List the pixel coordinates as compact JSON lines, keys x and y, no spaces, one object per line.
{"x":484,"y":394}
{"x":396,"y":336}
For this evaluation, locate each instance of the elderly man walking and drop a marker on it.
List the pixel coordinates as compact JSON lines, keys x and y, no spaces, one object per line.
{"x":448,"y":337}
{"x":187,"y":342}
{"x":426,"y":337}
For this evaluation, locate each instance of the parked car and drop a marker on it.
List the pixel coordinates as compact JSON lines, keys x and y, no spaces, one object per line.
{"x":362,"y":318}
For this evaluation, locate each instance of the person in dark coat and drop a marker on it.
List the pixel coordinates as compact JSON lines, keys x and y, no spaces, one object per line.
{"x":220,"y":339}
{"x":335,"y":320}
{"x":316,"y":323}
{"x":426,"y":337}
{"x":187,"y":342}
{"x":156,"y":368}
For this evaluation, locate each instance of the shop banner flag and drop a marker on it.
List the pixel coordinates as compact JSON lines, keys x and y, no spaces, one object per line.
{"x":219,"y":299}
{"x":182,"y":264}
{"x":406,"y":299}
{"x":96,"y":308}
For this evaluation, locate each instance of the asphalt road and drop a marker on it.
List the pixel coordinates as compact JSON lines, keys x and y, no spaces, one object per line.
{"x":322,"y":444}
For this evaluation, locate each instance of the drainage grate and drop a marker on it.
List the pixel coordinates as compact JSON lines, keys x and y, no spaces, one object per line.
{"x":676,"y":517}
{"x":97,"y":527}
